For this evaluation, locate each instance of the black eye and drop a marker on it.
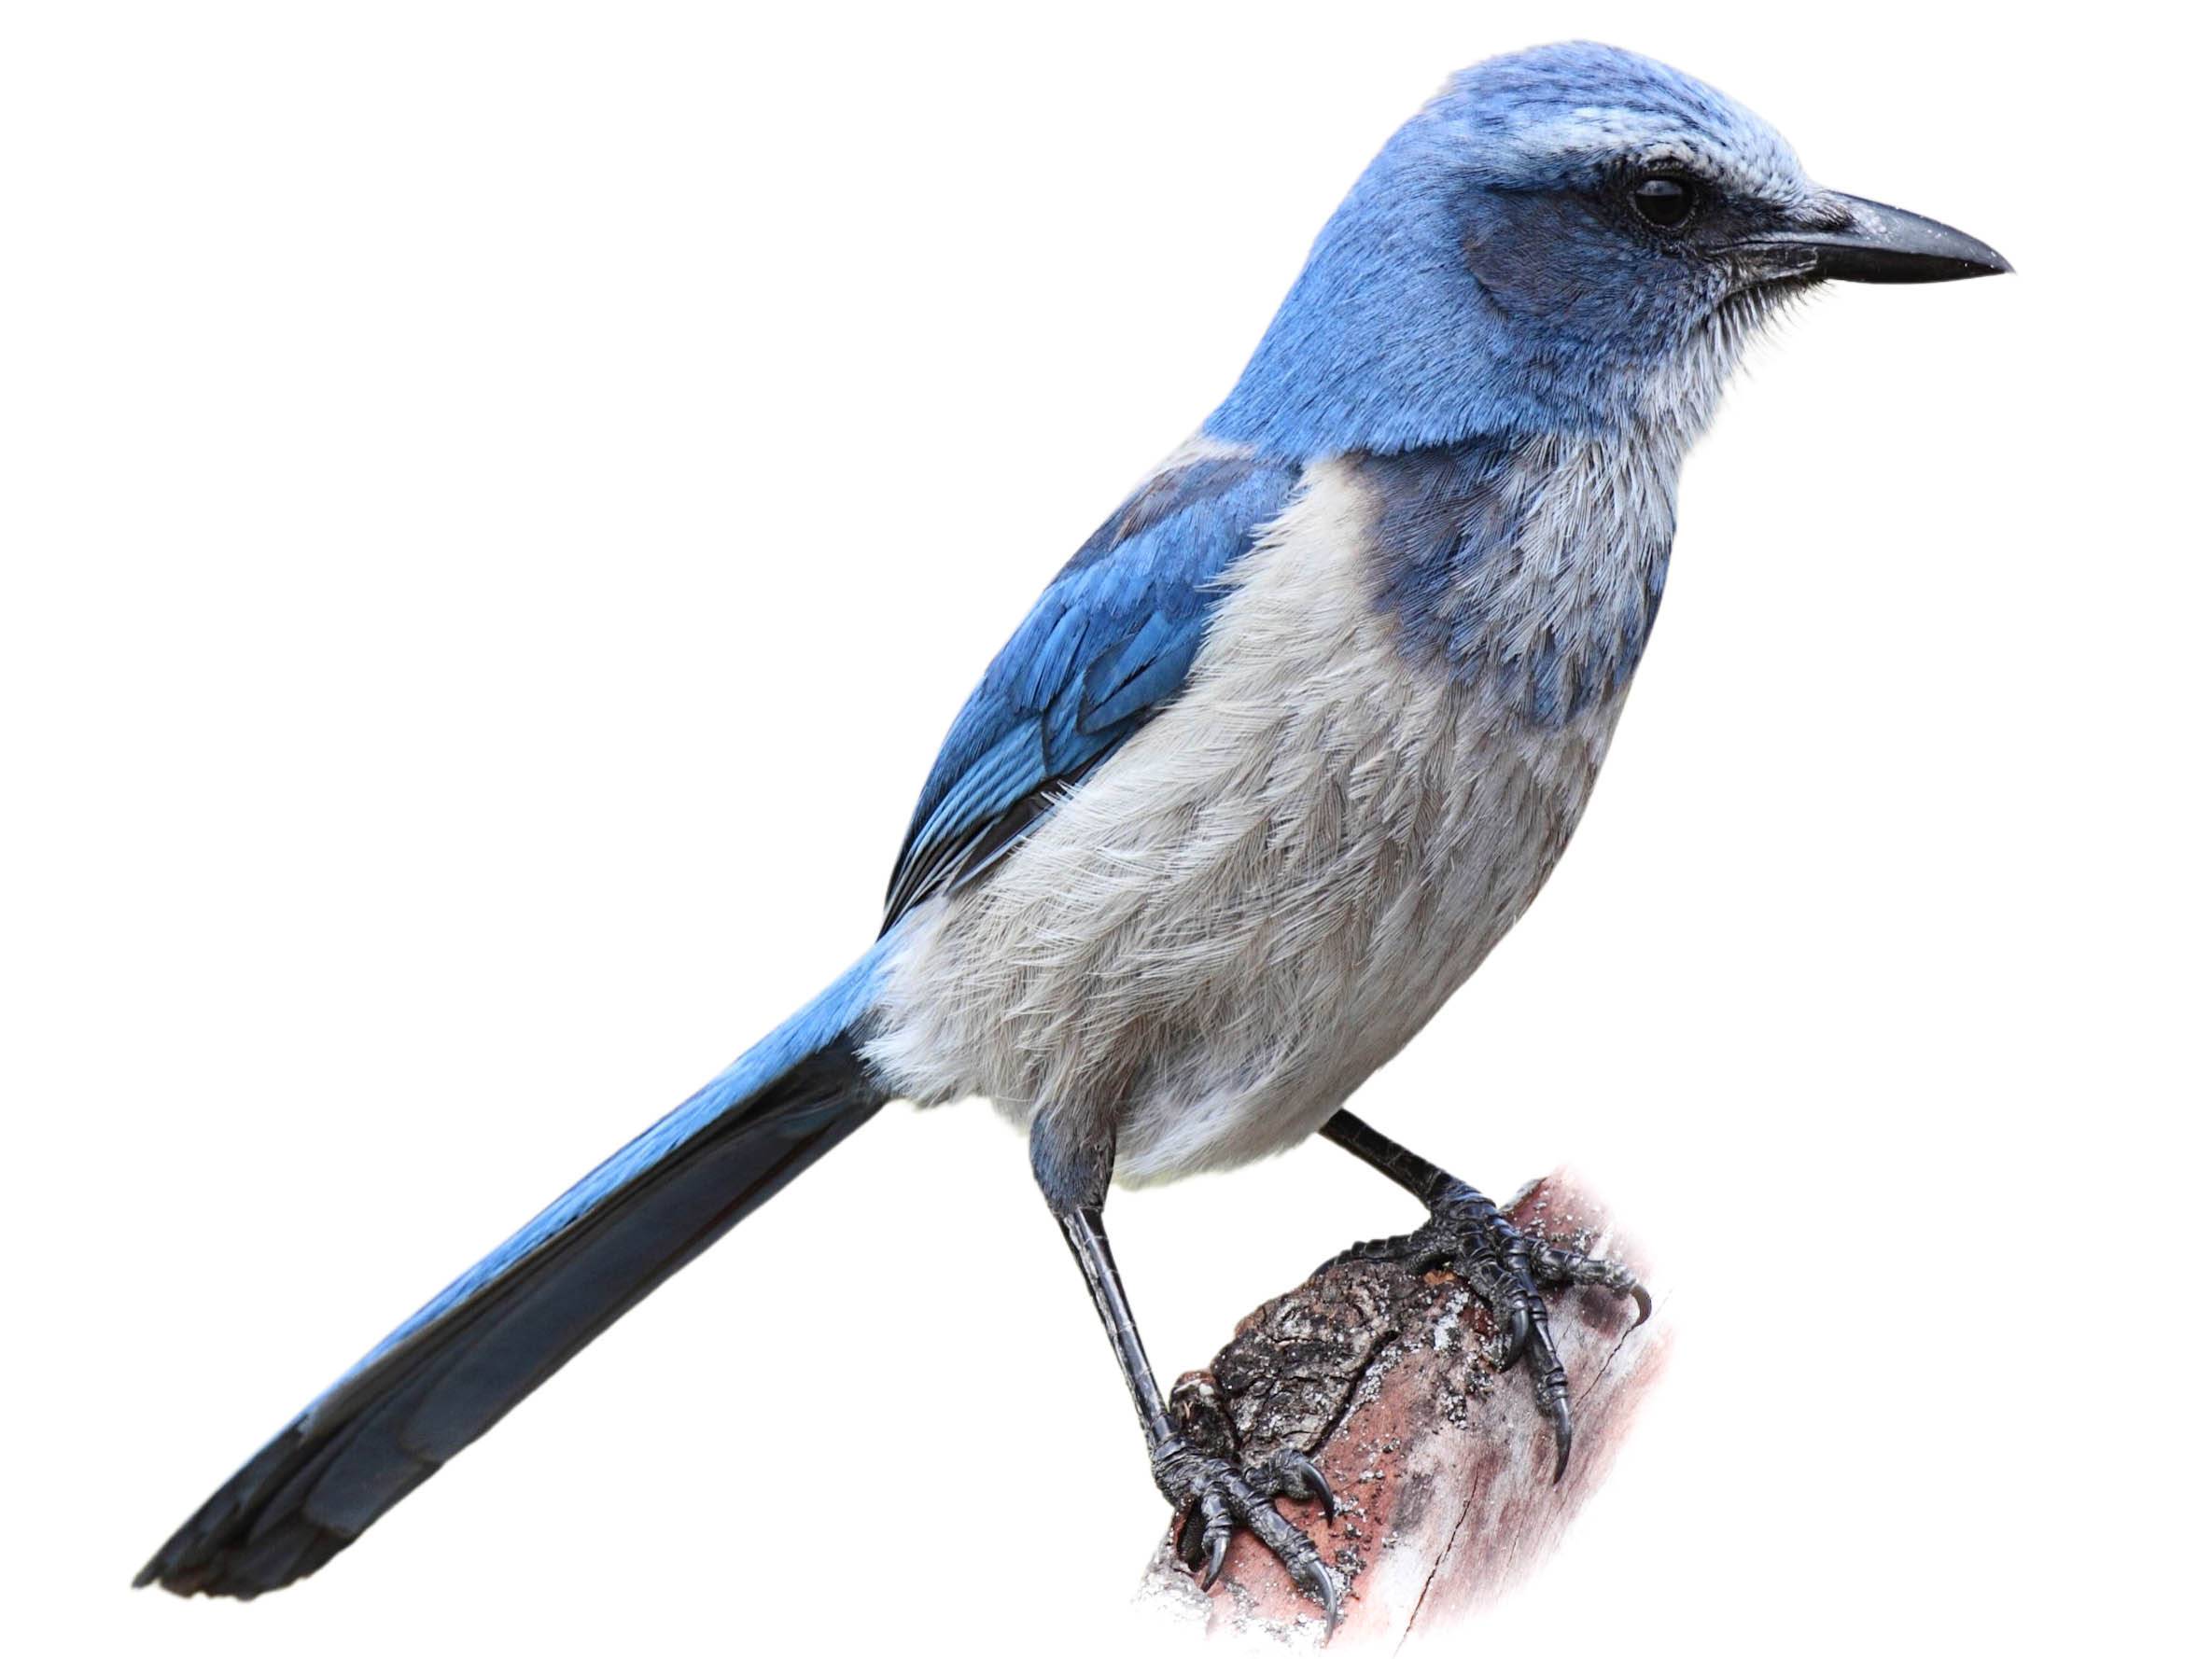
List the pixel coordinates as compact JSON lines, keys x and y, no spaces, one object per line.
{"x":1664,"y":201}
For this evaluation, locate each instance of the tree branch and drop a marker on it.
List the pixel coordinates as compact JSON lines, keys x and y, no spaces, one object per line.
{"x":1442,"y":1467}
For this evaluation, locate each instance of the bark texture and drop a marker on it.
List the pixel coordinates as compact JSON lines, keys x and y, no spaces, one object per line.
{"x":1441,"y":1465}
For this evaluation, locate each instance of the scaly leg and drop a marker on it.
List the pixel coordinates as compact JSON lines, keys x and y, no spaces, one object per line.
{"x":1212,"y":1495}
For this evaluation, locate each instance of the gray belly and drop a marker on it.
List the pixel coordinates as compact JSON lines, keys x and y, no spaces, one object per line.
{"x":1262,"y":896}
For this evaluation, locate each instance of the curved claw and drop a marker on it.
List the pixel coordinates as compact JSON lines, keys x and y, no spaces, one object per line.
{"x":1328,"y":1603}
{"x":1216,"y":1554}
{"x":1296,"y":1475}
{"x":1505,"y":1269}
{"x":1320,"y":1483}
{"x":1519,"y":1328}
{"x":1215,"y":1518}
{"x":1311,"y":1574}
{"x":1215,"y":1498}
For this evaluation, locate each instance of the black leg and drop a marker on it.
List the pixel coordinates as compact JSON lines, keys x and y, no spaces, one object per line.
{"x":1371,"y":1147}
{"x":1085,"y":1232}
{"x":1468,"y":1234}
{"x":1212,"y":1495}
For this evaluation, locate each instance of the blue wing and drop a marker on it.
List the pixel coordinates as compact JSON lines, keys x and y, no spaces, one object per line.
{"x":1108,"y":645}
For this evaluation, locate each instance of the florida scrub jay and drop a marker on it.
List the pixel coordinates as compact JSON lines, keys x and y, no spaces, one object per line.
{"x":1278,"y":757}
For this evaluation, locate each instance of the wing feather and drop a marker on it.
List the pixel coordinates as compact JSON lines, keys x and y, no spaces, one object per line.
{"x":1108,"y":645}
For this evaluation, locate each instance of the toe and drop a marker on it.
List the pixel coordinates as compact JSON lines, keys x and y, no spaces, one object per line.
{"x":1291,"y":1473}
{"x":1556,"y":1264}
{"x":1550,"y":1375}
{"x":1296,"y":1552}
{"x":1216,"y":1517}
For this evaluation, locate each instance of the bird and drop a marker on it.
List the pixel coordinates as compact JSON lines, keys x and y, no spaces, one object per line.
{"x":1276,"y":759}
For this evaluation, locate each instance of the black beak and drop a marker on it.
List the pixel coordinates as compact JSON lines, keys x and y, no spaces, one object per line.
{"x":1867,"y":241}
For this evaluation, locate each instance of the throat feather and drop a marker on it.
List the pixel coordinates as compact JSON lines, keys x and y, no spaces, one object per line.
{"x":1534,"y":566}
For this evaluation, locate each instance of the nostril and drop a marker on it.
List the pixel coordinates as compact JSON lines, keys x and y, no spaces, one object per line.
{"x":1827,"y":214}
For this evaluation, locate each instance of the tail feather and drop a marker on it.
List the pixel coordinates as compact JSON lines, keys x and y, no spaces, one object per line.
{"x":475,"y":1350}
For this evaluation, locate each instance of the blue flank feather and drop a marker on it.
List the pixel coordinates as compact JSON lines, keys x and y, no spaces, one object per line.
{"x":1108,"y":643}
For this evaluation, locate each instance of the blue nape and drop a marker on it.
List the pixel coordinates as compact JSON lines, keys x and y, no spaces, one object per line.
{"x":1471,"y":284}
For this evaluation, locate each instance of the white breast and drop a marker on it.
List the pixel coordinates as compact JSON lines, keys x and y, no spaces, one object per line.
{"x":1264,"y":894}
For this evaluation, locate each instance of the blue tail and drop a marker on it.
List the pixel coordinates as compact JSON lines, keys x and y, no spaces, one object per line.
{"x":481,"y":1344}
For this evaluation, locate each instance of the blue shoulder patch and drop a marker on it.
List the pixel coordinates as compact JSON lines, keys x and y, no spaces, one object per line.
{"x":1107,"y":646}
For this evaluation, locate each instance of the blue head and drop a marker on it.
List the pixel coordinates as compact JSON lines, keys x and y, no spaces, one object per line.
{"x":1569,"y":239}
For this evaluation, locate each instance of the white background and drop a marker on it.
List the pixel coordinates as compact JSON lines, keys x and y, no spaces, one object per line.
{"x":500,"y":503}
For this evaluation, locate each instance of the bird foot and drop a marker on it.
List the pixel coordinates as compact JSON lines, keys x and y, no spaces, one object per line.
{"x":1467,"y":1235}
{"x":1214,"y":1493}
